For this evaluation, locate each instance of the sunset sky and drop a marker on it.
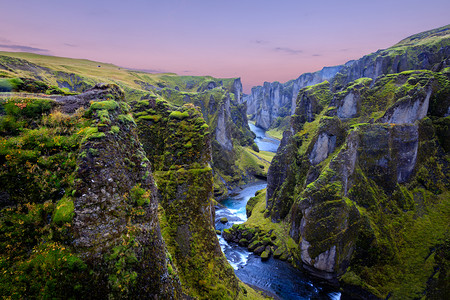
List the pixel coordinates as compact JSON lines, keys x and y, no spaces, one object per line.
{"x":255,"y":40}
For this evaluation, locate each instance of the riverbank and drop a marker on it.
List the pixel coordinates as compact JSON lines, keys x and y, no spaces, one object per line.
{"x":276,"y":278}
{"x":272,"y":133}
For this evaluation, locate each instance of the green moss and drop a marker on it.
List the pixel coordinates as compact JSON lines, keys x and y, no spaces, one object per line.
{"x":104,"y":105}
{"x":115,"y":129}
{"x":154,"y":118}
{"x":140,"y":196}
{"x":123,"y":258}
{"x":265,"y":254}
{"x":10,"y":84}
{"x":64,"y":211}
{"x":351,"y":278}
{"x":179,"y":115}
{"x":126,"y":118}
{"x":92,"y":151}
{"x":92,"y":133}
{"x":104,"y":116}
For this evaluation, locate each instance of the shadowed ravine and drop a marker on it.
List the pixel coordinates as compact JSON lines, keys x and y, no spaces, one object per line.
{"x":276,"y":277}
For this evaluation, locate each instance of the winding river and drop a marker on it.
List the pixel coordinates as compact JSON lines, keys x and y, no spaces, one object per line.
{"x":274,"y":276}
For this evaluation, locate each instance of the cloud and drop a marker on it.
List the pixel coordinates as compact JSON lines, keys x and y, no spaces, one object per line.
{"x":317,"y":55}
{"x":24,"y":48}
{"x":260,"y":42}
{"x":70,"y":45}
{"x":288,"y":50}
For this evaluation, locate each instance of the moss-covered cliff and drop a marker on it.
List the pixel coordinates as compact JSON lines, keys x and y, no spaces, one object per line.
{"x":428,"y":50}
{"x":362,"y":179}
{"x":79,"y":210}
{"x":178,"y":145}
{"x":220,"y":101}
{"x":81,"y":213}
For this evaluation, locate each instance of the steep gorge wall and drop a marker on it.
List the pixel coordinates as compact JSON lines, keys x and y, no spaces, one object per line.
{"x":272,"y":100}
{"x":178,"y":144}
{"x":362,"y":163}
{"x":95,"y":233}
{"x":222,"y":107}
{"x":116,"y":207}
{"x":80,"y":201}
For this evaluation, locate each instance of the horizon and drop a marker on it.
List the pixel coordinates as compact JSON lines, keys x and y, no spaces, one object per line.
{"x":256,"y":41}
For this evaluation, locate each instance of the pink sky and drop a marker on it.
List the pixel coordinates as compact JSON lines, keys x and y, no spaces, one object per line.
{"x":255,"y":40}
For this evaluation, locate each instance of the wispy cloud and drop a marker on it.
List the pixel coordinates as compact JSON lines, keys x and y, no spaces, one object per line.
{"x":260,"y":42}
{"x":317,"y":55}
{"x":23,"y":48}
{"x":287,"y":50}
{"x":70,"y":45}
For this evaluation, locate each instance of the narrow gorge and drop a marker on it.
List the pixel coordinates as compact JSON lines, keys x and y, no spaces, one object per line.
{"x":117,"y":183}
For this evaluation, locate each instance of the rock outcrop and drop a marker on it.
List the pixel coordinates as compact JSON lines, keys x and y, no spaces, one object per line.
{"x":352,"y":166}
{"x":116,"y":204}
{"x":96,"y":231}
{"x":222,"y":107}
{"x":273,"y":100}
{"x":178,"y":145}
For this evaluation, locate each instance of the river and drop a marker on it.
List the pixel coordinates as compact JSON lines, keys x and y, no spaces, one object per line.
{"x":274,"y":276}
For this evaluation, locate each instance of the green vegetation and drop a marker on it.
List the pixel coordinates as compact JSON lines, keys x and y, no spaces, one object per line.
{"x":59,"y":75}
{"x":261,"y":233}
{"x":275,"y":133}
{"x":388,"y":226}
{"x":140,"y":196}
{"x":64,"y":211}
{"x":179,"y":115}
{"x":38,"y":161}
{"x":9,"y":84}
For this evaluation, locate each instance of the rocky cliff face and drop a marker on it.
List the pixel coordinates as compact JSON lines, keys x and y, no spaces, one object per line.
{"x":354,"y":169}
{"x":115,"y":206}
{"x":97,"y":232}
{"x":272,"y":100}
{"x":222,"y":107}
{"x":425,"y":51}
{"x":179,"y":147}
{"x":80,"y":198}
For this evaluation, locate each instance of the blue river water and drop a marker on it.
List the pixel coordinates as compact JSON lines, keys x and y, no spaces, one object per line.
{"x":276,"y":277}
{"x":264,"y":142}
